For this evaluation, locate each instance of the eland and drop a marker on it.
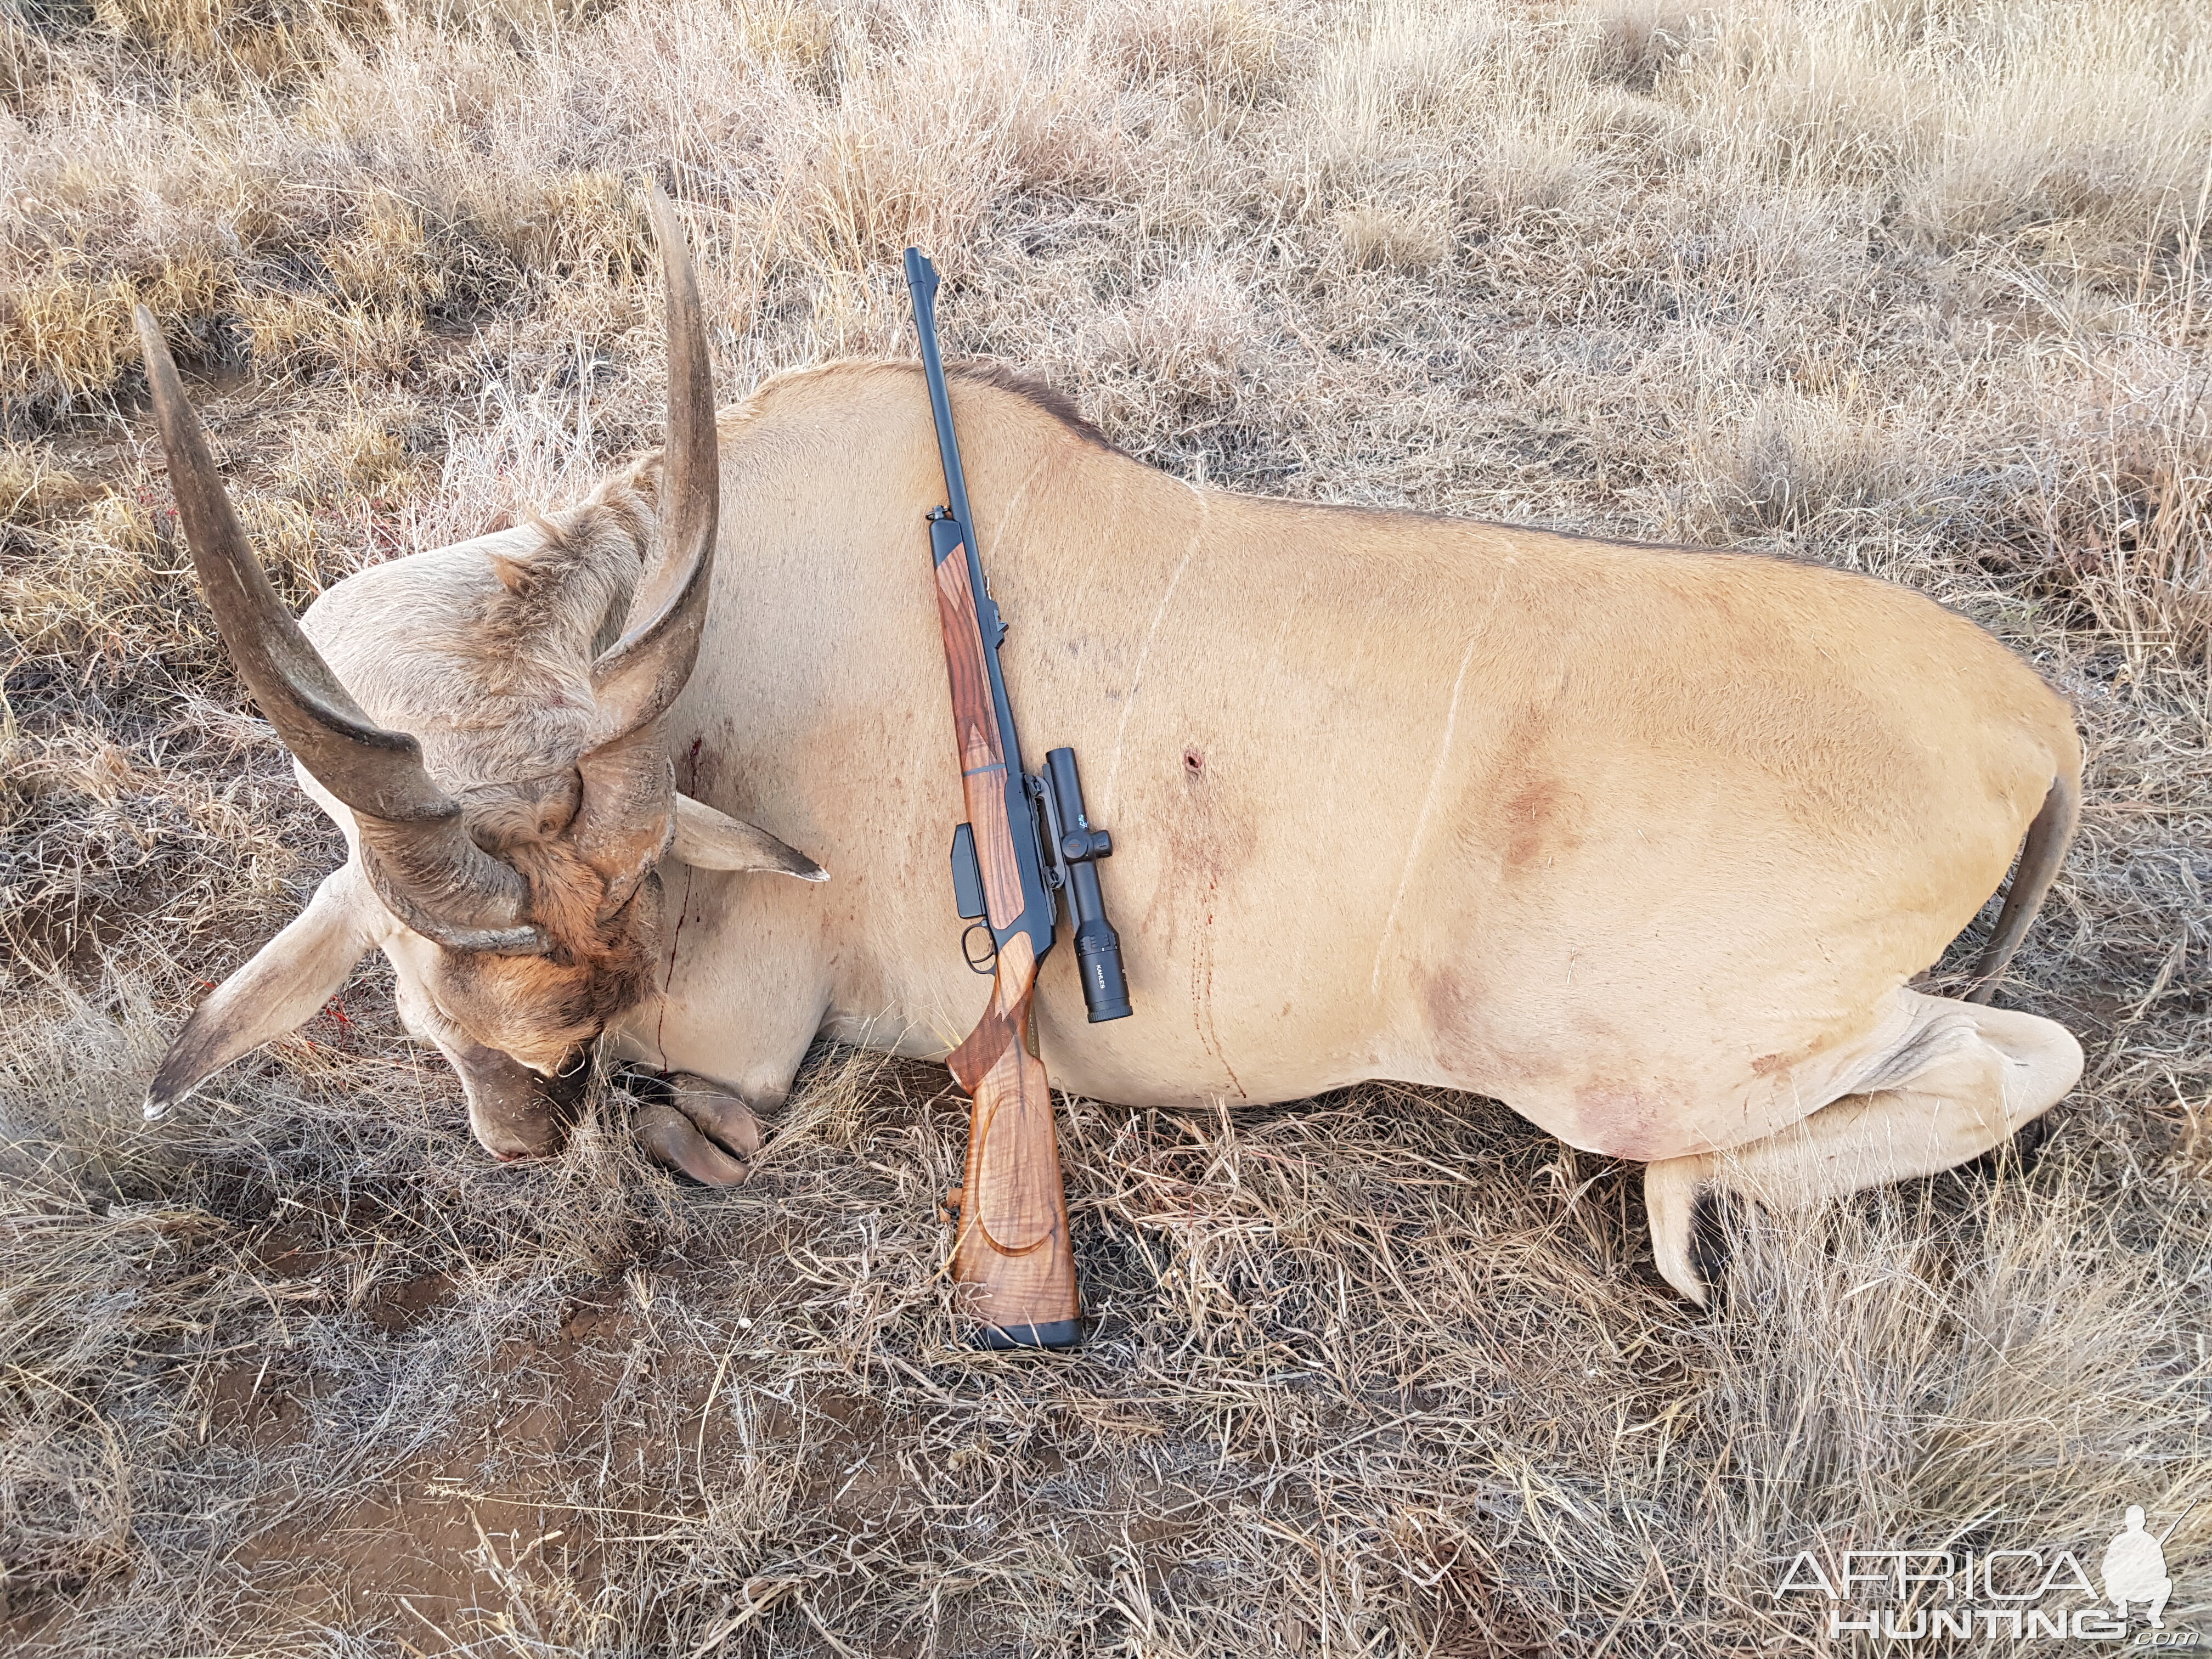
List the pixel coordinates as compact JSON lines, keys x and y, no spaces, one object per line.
{"x":1647,"y":843}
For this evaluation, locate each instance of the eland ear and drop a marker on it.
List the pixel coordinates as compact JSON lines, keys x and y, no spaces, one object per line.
{"x":707,"y":839}
{"x":279,"y":990}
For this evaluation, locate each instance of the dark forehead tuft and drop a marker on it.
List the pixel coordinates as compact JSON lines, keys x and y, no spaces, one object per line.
{"x":1049,"y":399}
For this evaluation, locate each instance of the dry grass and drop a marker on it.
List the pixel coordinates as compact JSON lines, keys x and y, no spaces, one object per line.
{"x":1912,"y":286}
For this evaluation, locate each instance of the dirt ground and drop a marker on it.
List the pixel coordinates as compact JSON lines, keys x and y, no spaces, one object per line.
{"x":1910,"y":287}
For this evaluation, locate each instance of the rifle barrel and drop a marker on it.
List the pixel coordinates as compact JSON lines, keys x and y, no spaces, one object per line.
{"x":1039,"y":912}
{"x":922,"y":283}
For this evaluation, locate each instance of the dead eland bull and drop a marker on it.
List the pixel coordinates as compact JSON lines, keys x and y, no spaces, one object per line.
{"x":1644,"y":841}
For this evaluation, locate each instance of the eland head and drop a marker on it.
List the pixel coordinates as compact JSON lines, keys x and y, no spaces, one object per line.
{"x":511,"y":876}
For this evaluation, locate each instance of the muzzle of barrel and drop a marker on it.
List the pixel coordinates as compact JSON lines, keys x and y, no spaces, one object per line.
{"x":1098,"y":946}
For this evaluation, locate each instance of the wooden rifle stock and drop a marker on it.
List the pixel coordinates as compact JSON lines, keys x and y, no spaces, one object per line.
{"x":1012,"y":1242}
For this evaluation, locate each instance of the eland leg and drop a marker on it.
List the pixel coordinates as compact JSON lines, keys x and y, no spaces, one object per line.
{"x":1962,"y":1081}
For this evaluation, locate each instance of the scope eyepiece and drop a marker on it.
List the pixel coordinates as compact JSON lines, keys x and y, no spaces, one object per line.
{"x":1099,"y":964}
{"x":1098,"y":946}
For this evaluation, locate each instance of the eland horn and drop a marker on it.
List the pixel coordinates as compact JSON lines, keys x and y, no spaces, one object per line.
{"x":418,"y":854}
{"x":624,"y":818}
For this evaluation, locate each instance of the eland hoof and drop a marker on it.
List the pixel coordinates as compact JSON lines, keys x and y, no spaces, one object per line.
{"x":669,"y":1136}
{"x":690,"y":1125}
{"x":719,"y":1114}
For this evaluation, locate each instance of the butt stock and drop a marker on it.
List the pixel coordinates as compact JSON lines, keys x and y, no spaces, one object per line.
{"x":1012,"y":1244}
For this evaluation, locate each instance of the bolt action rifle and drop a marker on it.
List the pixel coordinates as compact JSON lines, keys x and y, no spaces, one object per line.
{"x":1027,"y":838}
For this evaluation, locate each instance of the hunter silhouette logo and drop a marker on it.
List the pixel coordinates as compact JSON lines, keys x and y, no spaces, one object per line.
{"x":2016,"y":1594}
{"x":2135,"y":1568}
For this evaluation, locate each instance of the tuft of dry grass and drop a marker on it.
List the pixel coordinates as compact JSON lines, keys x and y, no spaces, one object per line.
{"x":1906,"y":286}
